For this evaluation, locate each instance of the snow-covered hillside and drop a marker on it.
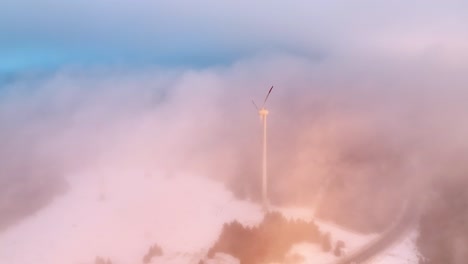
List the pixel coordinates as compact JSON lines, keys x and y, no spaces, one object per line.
{"x":183,"y":214}
{"x":120,"y":214}
{"x":404,"y":252}
{"x":312,"y":253}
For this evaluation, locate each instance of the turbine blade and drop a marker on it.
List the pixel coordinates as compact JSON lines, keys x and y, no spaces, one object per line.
{"x":266,"y":98}
{"x":255,"y":105}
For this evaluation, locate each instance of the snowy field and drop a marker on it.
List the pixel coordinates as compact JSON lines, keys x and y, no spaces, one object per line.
{"x":182,"y":214}
{"x":122,"y":218}
{"x":404,"y":252}
{"x":312,"y":253}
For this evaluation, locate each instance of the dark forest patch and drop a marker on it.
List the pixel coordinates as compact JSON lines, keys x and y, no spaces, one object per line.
{"x":267,"y":242}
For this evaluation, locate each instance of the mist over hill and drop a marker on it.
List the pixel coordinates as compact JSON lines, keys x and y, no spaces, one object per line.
{"x":343,"y":138}
{"x":368,"y":110}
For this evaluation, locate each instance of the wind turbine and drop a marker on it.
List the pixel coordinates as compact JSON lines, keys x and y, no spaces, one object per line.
{"x":263,"y":112}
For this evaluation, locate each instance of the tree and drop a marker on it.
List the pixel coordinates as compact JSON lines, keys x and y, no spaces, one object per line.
{"x":154,"y":251}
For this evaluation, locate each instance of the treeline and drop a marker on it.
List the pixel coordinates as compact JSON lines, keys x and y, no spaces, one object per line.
{"x":267,"y":242}
{"x":153,"y":251}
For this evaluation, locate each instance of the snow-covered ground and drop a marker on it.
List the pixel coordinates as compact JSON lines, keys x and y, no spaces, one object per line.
{"x":182,"y":213}
{"x":312,"y":253}
{"x":404,"y":252}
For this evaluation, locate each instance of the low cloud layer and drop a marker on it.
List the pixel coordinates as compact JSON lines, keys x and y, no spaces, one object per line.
{"x":372,"y":118}
{"x":369,"y":105}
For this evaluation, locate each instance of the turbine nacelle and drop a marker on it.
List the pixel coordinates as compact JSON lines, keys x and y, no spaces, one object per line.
{"x":263,"y":112}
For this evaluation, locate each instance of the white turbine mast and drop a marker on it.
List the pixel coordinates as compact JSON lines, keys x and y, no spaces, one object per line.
{"x":263,"y":112}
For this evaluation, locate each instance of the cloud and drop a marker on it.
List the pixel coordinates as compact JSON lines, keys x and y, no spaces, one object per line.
{"x":194,"y":119}
{"x":357,"y":91}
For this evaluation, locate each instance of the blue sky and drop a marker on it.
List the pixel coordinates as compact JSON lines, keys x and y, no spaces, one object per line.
{"x":46,"y":34}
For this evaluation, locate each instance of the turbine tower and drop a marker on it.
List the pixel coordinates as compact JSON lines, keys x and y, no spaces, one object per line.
{"x":263,"y":112}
